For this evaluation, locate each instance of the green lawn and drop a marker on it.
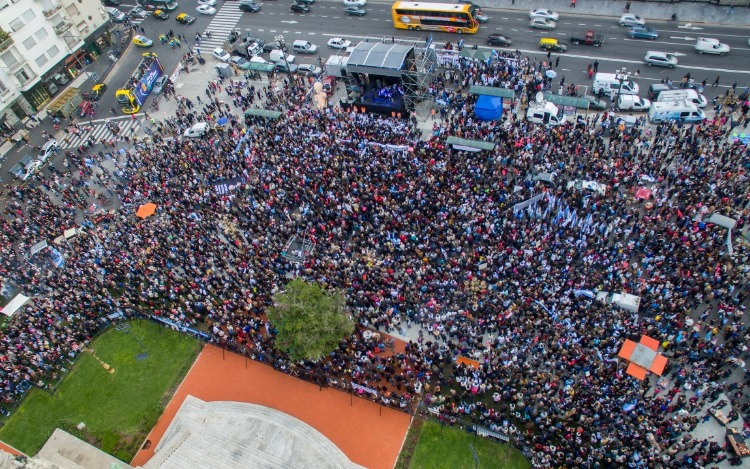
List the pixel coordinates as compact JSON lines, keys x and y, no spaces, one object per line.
{"x":120,"y":408}
{"x":448,"y":447}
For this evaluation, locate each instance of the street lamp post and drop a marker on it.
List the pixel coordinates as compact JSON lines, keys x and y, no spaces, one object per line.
{"x":282,"y":45}
{"x":622,"y":76}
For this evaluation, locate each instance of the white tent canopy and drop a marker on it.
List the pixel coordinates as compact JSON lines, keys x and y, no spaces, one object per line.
{"x":721,"y":220}
{"x":14,"y":305}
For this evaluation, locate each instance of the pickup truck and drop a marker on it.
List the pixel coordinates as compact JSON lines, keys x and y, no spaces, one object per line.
{"x":588,"y":39}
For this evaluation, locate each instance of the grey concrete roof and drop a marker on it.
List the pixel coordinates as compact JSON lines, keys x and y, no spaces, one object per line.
{"x":233,"y":434}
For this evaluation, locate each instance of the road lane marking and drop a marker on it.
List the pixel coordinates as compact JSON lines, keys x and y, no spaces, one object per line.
{"x":577,"y":56}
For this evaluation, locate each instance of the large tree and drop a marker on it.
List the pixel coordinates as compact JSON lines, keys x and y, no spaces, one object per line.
{"x":309,"y":320}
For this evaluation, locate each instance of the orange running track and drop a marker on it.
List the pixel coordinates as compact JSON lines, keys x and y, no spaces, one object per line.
{"x":354,"y":425}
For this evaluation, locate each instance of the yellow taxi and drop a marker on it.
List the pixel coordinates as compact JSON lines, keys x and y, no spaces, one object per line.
{"x":97,"y":91}
{"x":161,"y":15}
{"x":552,"y":44}
{"x":142,"y":41}
{"x":184,"y":18}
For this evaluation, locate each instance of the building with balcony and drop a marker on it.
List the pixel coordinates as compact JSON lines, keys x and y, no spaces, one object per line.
{"x":44,"y":44}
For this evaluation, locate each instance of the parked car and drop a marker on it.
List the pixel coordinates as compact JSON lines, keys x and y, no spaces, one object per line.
{"x":25,"y":168}
{"x":355,"y":3}
{"x":142,"y":41}
{"x":660,"y":59}
{"x":250,"y":7}
{"x":629,"y":102}
{"x":206,"y":10}
{"x":355,"y":11}
{"x":299,"y":8}
{"x":184,"y":18}
{"x":197,"y":130}
{"x":309,"y":70}
{"x":278,"y":55}
{"x":498,"y":39}
{"x":47,"y":150}
{"x":329,"y":84}
{"x":97,"y":91}
{"x":642,"y":32}
{"x":240,"y":62}
{"x":139,"y":12}
{"x":269,"y":46}
{"x":305,"y":2}
{"x":285,"y":67}
{"x":542,"y":23}
{"x":631,"y":20}
{"x":159,"y":84}
{"x":221,"y":55}
{"x":544,"y":13}
{"x":112,"y":3}
{"x":706,"y":45}
{"x":595,"y":103}
{"x":339,"y":43}
{"x":161,"y":15}
{"x":211,"y":3}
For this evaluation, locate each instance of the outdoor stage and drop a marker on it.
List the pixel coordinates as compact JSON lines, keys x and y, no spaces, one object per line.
{"x":369,"y":435}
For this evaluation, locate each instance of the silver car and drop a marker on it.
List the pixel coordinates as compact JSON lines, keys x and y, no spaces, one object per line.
{"x":542,"y":23}
{"x":660,"y":59}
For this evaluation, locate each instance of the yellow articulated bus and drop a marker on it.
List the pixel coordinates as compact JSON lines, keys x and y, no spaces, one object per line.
{"x":446,"y":17}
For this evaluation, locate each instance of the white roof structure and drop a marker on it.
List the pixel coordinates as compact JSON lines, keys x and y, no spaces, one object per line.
{"x":14,"y":305}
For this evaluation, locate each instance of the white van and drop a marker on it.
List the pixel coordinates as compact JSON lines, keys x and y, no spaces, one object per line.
{"x":680,"y":111}
{"x":304,"y":47}
{"x":545,"y":113}
{"x":258,"y":60}
{"x":277,"y":55}
{"x":254,"y":49}
{"x":629,"y":102}
{"x":683,"y":95}
{"x":609,"y":84}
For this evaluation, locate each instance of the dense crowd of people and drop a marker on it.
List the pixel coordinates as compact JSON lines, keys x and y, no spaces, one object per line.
{"x":418,"y":235}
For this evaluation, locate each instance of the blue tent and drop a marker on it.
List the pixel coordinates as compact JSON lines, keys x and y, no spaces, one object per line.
{"x":489,"y":108}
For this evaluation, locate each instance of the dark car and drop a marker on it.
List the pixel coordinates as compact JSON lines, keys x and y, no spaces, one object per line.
{"x":250,"y":7}
{"x":595,"y":104}
{"x":305,"y":2}
{"x":112,"y":3}
{"x":499,"y":40}
{"x":355,"y":11}
{"x":269,"y":46}
{"x":299,"y":8}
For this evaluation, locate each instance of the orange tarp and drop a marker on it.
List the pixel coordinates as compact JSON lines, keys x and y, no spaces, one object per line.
{"x":627,"y":349}
{"x":468,"y":362}
{"x":146,"y":210}
{"x":636,"y":371}
{"x":659,"y":363}
{"x":653,"y":344}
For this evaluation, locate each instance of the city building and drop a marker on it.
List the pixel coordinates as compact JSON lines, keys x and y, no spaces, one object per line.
{"x":44,"y":45}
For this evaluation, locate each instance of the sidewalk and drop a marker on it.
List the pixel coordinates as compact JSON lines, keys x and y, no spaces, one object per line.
{"x":651,"y":11}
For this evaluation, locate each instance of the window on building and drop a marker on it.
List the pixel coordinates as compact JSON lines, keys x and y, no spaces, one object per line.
{"x":3,"y":89}
{"x":41,"y":34}
{"x":29,"y":42}
{"x":9,"y":59}
{"x":28,"y":15}
{"x":17,"y":24}
{"x":71,"y":10}
{"x":53,"y":51}
{"x":41,"y":60}
{"x":23,"y":76}
{"x":4,"y":4}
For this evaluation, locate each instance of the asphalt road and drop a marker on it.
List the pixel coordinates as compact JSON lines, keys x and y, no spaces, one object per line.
{"x":326,"y":19}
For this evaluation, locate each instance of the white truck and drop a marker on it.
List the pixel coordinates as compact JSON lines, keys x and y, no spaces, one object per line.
{"x":678,"y":111}
{"x":545,"y":113}
{"x":336,"y":66}
{"x":624,"y":300}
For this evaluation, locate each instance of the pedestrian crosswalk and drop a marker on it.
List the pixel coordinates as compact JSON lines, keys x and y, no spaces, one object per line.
{"x":97,"y":132}
{"x":223,"y":23}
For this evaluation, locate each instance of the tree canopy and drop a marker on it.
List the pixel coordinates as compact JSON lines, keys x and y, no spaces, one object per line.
{"x":309,"y":320}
